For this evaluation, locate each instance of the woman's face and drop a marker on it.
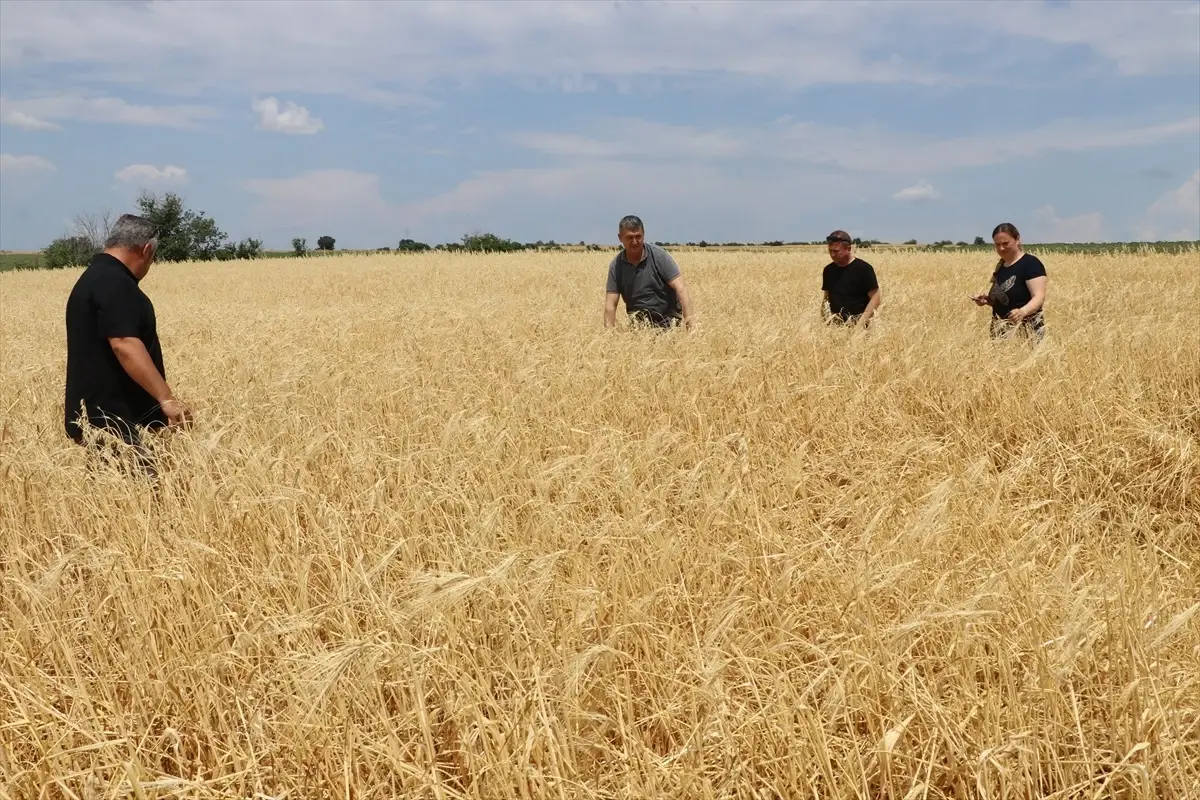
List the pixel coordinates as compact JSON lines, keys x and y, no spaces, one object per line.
{"x":1006,"y":245}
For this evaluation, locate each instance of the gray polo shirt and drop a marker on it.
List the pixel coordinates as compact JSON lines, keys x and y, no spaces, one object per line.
{"x":643,"y":286}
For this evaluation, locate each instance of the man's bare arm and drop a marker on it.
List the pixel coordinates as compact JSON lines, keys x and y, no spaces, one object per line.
{"x":610,"y":309}
{"x":685,"y":298}
{"x":876,"y":299}
{"x":136,"y":361}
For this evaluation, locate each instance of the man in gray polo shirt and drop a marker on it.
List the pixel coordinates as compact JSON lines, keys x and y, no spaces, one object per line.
{"x":648,"y":279}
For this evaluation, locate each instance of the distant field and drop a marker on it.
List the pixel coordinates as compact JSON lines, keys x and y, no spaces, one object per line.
{"x":437,"y":534}
{"x":33,"y":260}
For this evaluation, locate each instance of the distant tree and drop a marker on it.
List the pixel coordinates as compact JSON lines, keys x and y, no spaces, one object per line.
{"x":183,"y":234}
{"x":489,"y":243}
{"x":911,"y":241}
{"x":249,"y":248}
{"x":325,"y":243}
{"x":69,"y":251}
{"x":702,"y":243}
{"x":410,"y":246}
{"x":979,"y":241}
{"x":95,"y":227}
{"x":299,"y":246}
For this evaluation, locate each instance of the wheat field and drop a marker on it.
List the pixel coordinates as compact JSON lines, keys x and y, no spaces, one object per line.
{"x":437,"y":534}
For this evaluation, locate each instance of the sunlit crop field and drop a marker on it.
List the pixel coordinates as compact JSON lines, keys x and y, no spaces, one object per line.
{"x":437,"y":534}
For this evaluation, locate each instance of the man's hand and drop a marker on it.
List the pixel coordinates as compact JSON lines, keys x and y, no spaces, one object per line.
{"x":980,"y":300}
{"x":177,"y":414}
{"x":1018,"y":315}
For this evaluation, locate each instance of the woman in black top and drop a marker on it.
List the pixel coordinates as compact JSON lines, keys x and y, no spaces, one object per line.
{"x":1018,"y":288}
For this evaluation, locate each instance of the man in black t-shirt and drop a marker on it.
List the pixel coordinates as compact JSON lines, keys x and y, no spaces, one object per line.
{"x":848,"y":284}
{"x":115,"y":375}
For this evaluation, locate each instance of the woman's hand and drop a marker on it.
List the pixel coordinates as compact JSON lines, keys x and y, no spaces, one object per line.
{"x":1018,"y":315}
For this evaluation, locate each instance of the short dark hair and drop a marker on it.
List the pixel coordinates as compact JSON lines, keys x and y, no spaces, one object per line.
{"x":1006,"y":227}
{"x":839,"y":236}
{"x":630,"y":223}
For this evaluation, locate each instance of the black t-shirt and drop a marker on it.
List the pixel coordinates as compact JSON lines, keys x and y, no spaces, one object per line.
{"x":1008,"y":290}
{"x":107,"y":302}
{"x":848,"y":287}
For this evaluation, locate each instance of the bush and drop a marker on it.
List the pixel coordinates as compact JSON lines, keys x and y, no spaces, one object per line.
{"x":299,"y":246}
{"x":489,"y":243}
{"x":69,"y":251}
{"x":325,"y":243}
{"x":411,"y":246}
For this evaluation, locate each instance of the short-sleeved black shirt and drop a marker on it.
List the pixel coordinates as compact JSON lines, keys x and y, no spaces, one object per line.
{"x":643,"y":286}
{"x":107,"y":302}
{"x":1008,"y":290}
{"x":848,"y":287}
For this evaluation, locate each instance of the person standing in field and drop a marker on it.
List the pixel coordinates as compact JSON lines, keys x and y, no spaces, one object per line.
{"x":1018,"y":290}
{"x":848,"y":284}
{"x":115,"y":378}
{"x":647,"y":278}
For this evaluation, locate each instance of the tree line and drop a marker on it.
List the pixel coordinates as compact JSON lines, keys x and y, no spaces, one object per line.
{"x":184,"y":234}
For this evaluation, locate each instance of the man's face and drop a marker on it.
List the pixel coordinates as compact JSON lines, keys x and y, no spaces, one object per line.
{"x":632,"y":240}
{"x":839,"y":252}
{"x":1006,"y":245}
{"x":146,"y":256}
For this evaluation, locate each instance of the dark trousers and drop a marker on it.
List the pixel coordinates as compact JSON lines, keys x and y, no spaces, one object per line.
{"x":122,"y":448}
{"x":644,"y":319}
{"x":1033,"y":327}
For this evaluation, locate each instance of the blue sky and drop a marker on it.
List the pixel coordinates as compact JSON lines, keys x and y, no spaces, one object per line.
{"x":375,"y":121}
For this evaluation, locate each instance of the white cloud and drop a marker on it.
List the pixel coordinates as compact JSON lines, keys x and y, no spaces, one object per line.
{"x":861,"y":149}
{"x":387,"y":53}
{"x":19,"y":119}
{"x":319,"y":197}
{"x":143,"y":174}
{"x":1176,"y":215}
{"x":288,"y":118}
{"x":36,"y":112}
{"x":917,"y":193}
{"x":10,"y":163}
{"x":1049,"y":227}
{"x":586,"y":197}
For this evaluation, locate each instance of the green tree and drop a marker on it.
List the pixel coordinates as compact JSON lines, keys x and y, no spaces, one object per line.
{"x":979,"y":241}
{"x":325,"y":243}
{"x":489,"y":243}
{"x":69,"y":251}
{"x":299,"y":246}
{"x":411,"y":246}
{"x":183,"y":234}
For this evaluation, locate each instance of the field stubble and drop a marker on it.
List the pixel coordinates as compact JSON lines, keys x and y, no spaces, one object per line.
{"x":437,"y":534}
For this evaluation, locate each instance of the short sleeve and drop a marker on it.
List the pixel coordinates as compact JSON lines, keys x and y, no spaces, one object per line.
{"x":613,"y":286}
{"x":667,"y":267}
{"x":1034,"y":268}
{"x":869,"y":280}
{"x":118,"y":312}
{"x":827,"y":281}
